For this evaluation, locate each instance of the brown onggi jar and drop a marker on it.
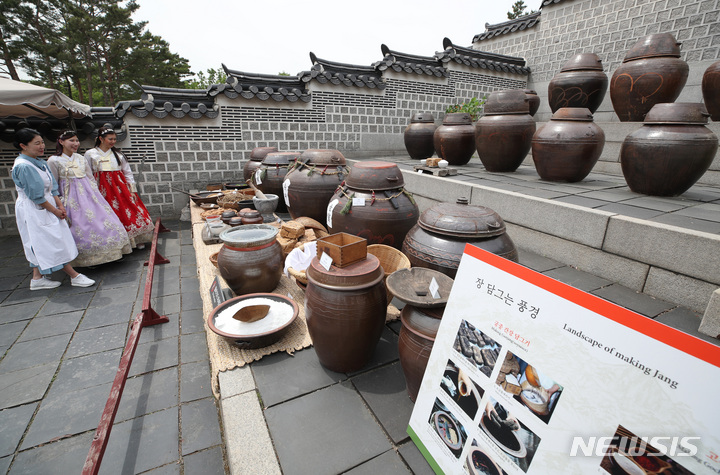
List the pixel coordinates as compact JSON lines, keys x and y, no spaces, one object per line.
{"x":251,"y":259}
{"x":256,"y":157}
{"x":438,"y":240}
{"x":345,"y":311}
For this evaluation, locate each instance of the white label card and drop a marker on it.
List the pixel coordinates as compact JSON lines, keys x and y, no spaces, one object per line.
{"x":358,"y":202}
{"x":330,"y":208}
{"x":286,"y":187}
{"x":434,"y":287}
{"x":258,"y":180}
{"x":326,"y":261}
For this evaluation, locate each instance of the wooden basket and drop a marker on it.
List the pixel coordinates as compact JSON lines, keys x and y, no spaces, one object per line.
{"x":390,"y":259}
{"x":344,"y":248}
{"x":213,"y":258}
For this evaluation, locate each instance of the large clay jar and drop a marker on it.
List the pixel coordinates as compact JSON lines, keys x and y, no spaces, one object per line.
{"x":419,"y":136}
{"x":256,"y":157}
{"x":580,"y":83}
{"x":711,"y":90}
{"x":438,"y":240}
{"x":420,"y":318}
{"x":533,"y":100}
{"x":251,"y":259}
{"x":270,"y":176}
{"x":651,"y":73}
{"x":312,"y":181}
{"x":504,"y":134}
{"x":345,"y":311}
{"x":568,"y":146}
{"x":454,"y":140}
{"x":382,"y":212}
{"x":670,"y":152}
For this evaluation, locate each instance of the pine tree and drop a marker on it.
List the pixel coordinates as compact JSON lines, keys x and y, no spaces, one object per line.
{"x":518,"y":10}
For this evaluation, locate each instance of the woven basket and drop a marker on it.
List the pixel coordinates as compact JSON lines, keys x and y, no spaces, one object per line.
{"x":213,"y":258}
{"x":390,"y":259}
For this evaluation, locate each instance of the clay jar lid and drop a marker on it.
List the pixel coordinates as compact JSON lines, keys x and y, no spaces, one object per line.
{"x":280,"y":158}
{"x":678,"y":113}
{"x":357,"y":276}
{"x":422,"y":118}
{"x":457,"y":118}
{"x":258,"y":153}
{"x":412,"y":286}
{"x":578,"y":114}
{"x":462,"y":220}
{"x":322,"y":157}
{"x":657,"y":44}
{"x":510,"y":101}
{"x":375,"y":175}
{"x":249,"y":235}
{"x":583,"y":62}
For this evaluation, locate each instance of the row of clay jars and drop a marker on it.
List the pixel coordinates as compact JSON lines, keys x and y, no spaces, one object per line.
{"x":372,"y":204}
{"x":453,"y":140}
{"x":310,"y":185}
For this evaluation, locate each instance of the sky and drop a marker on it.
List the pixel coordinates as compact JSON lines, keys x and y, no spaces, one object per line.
{"x":274,"y":36}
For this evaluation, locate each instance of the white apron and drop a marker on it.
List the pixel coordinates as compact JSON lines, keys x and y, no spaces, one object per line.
{"x":47,"y":240}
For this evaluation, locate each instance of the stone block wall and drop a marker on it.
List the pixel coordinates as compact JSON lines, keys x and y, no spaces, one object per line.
{"x":189,"y":153}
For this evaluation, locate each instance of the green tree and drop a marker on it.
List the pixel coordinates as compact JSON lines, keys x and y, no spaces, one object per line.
{"x":203,"y":80}
{"x":90,"y":50}
{"x":518,"y":10}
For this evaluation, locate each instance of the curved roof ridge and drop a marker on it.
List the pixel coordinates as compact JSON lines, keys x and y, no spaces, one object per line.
{"x":510,"y":26}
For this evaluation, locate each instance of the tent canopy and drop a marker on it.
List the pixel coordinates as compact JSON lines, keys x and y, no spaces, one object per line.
{"x":22,"y":100}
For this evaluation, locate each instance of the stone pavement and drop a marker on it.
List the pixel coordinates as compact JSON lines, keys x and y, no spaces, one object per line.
{"x":60,"y":350}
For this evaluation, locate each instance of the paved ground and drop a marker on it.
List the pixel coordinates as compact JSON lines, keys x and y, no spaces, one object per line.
{"x":59,"y":351}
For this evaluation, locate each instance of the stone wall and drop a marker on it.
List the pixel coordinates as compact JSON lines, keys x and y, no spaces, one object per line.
{"x":188,"y":153}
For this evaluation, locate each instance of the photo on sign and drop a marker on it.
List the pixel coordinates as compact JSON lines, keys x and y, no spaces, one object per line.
{"x":630,"y":454}
{"x":509,"y":434}
{"x":448,"y":428}
{"x":462,"y":389}
{"x":479,"y":462}
{"x":528,"y":386}
{"x":478,"y":348}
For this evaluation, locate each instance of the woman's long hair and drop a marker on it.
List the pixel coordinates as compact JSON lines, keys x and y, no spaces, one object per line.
{"x":102,"y":132}
{"x":68,"y":134}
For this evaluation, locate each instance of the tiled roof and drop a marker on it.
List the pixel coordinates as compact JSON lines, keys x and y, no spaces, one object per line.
{"x":164,"y":101}
{"x":409,"y":63}
{"x":480,"y":59}
{"x":324,"y":71}
{"x":518,"y":24}
{"x":261,"y":86}
{"x":549,"y":2}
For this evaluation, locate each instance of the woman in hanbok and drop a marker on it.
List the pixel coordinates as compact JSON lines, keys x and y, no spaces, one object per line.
{"x":99,"y":235}
{"x":117,"y":184}
{"x":40,"y":216}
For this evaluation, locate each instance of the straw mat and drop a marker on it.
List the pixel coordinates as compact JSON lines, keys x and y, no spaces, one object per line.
{"x":223,"y":355}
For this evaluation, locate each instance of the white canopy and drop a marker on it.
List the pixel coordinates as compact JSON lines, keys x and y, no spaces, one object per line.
{"x":24,"y":100}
